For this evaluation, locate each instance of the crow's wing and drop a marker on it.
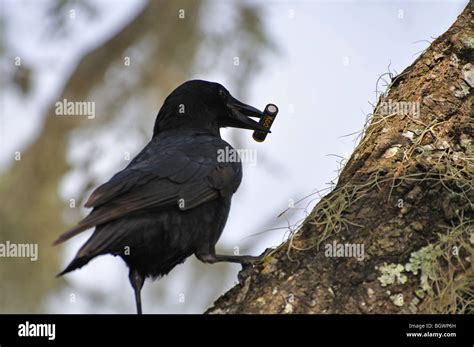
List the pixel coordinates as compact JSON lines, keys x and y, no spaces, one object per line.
{"x":177,"y":172}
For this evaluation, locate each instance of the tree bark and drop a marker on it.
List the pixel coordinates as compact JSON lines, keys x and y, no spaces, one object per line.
{"x":405,"y":195}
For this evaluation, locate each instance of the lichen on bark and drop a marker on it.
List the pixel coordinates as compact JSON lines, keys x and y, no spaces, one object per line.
{"x":406,"y":194}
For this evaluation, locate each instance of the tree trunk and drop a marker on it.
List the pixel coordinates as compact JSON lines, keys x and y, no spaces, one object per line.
{"x":404,"y":201}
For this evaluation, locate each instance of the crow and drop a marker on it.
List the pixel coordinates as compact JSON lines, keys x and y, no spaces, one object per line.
{"x":173,"y":199}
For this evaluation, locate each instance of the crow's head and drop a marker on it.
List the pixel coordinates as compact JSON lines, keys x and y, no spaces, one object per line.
{"x":205,"y":105}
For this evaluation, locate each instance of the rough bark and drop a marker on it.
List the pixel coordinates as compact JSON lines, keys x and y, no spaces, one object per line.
{"x":406,"y":194}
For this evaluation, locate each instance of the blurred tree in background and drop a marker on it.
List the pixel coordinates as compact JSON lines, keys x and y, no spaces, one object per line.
{"x":127,"y":75}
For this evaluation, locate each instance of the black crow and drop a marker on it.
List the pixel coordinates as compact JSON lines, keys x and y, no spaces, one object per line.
{"x":174,"y":197}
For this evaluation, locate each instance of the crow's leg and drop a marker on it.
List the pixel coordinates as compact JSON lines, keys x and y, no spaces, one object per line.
{"x":210,"y":256}
{"x":137,"y":280}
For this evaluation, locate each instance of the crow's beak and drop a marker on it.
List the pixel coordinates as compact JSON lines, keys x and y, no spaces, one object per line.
{"x":239,"y":116}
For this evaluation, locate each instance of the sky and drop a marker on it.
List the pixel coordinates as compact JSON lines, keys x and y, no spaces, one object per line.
{"x":323,"y":79}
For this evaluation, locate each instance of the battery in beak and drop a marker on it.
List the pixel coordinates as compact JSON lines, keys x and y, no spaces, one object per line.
{"x":266,"y":121}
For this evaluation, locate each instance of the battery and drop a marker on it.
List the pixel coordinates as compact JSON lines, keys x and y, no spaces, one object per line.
{"x":266,"y":121}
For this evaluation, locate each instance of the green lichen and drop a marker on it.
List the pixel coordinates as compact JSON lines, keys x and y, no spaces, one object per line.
{"x":420,"y":293}
{"x":425,"y":261}
{"x":392,"y":273}
{"x":413,"y":306}
{"x":397,"y":299}
{"x":468,"y":42}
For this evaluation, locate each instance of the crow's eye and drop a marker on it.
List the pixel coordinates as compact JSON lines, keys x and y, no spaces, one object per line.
{"x":222,"y":93}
